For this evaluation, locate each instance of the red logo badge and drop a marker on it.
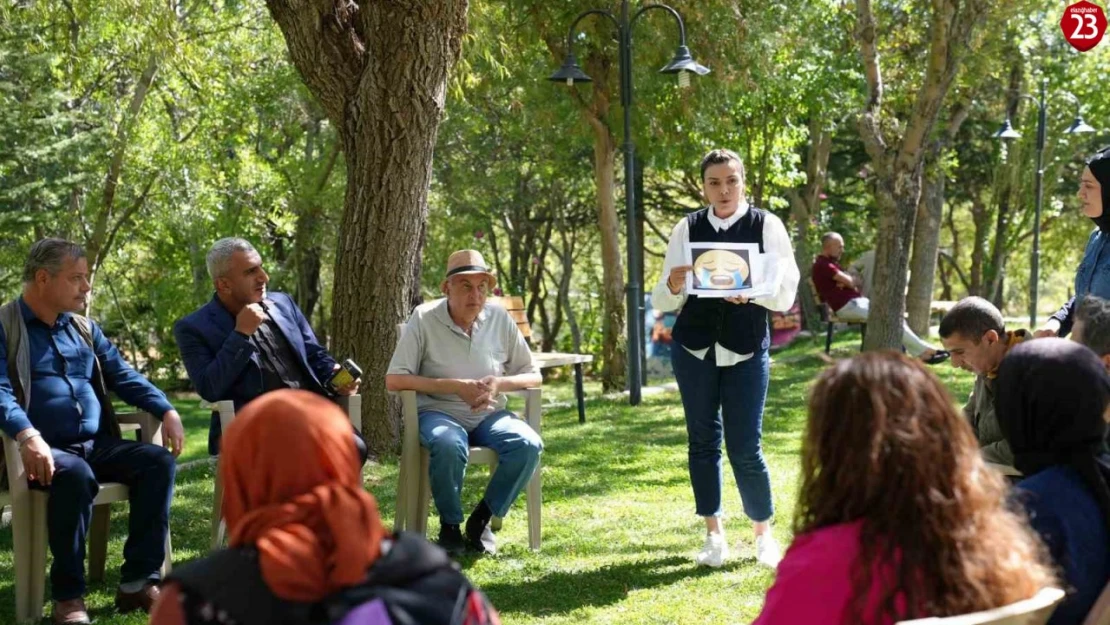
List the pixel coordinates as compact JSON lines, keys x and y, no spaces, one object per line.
{"x":1084,"y":24}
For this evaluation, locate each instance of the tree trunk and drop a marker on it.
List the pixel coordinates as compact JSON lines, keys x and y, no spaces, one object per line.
{"x":926,"y":238}
{"x":99,"y":242}
{"x":614,"y":353}
{"x":898,"y":166}
{"x":897,"y":212}
{"x":926,"y":241}
{"x":805,"y":206}
{"x":380,"y":73}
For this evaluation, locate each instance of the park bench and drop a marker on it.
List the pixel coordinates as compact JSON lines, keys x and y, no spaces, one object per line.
{"x":939,"y":308}
{"x":545,"y":360}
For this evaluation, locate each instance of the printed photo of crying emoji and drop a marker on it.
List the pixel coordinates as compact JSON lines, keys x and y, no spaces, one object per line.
{"x":722,"y":270}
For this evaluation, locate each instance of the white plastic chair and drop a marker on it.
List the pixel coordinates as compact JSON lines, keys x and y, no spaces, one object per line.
{"x":1033,"y":611}
{"x":352,"y":404}
{"x":414,"y":489}
{"x":29,"y":521}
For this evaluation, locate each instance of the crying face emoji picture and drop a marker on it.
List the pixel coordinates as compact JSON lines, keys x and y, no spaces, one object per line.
{"x":721,"y":269}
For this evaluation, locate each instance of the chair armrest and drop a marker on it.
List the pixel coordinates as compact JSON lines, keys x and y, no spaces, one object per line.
{"x":532,"y":405}
{"x":352,"y":404}
{"x":17,"y":475}
{"x":150,"y":428}
{"x":410,"y":430}
{"x":226,"y":408}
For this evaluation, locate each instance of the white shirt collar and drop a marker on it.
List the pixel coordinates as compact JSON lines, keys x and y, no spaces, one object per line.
{"x":724,"y":224}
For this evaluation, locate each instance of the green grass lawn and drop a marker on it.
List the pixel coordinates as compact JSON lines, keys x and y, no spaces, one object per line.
{"x":619,"y":530}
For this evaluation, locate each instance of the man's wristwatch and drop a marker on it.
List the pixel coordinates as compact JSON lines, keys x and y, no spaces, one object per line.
{"x":26,"y":435}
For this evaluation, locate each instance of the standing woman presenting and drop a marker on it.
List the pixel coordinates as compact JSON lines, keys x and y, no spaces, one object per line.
{"x":720,"y":355}
{"x":1093,"y":275}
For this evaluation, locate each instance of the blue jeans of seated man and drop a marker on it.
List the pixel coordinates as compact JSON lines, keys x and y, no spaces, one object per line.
{"x":725,"y":404}
{"x":518,"y":450}
{"x":148,"y":472}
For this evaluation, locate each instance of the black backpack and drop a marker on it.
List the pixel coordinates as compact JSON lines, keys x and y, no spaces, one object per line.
{"x":415,"y":582}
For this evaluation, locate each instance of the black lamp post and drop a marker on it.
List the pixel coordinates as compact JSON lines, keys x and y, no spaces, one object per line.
{"x":683,"y":65}
{"x":1007,"y":132}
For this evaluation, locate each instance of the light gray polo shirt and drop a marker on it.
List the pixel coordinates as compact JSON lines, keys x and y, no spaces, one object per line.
{"x":433,"y":346}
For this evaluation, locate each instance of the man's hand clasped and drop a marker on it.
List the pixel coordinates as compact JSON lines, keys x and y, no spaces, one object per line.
{"x":479,"y":394}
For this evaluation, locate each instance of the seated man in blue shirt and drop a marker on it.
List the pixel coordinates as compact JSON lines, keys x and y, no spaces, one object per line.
{"x":52,"y":402}
{"x":245,"y":342}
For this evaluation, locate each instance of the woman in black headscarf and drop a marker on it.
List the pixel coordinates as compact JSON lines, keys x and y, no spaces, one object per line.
{"x":1051,"y":398}
{"x":1093,"y":275}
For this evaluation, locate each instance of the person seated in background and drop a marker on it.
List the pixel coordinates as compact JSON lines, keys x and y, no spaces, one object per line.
{"x":460,"y":355}
{"x":841,"y":292}
{"x":1052,"y":398}
{"x":246,"y":341}
{"x":897,"y":517}
{"x":56,"y":371}
{"x":1092,"y":327}
{"x":306,"y":544}
{"x":975,"y":334}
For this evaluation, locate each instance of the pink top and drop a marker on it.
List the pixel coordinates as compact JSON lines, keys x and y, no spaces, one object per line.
{"x":814,"y":579}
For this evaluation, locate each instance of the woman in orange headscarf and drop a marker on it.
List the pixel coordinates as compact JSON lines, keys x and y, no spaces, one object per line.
{"x":306,"y":542}
{"x":294,"y":503}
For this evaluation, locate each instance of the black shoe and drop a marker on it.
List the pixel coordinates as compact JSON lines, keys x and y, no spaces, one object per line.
{"x":480,"y":538}
{"x":451,"y":539}
{"x":938,"y":357}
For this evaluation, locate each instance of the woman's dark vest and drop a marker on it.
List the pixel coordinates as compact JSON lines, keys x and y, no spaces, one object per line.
{"x":704,"y":321}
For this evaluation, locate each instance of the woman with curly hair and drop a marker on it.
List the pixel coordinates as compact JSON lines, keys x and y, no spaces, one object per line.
{"x":898,"y":517}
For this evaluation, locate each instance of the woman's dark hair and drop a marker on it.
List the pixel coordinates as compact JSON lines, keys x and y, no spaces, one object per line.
{"x":886,"y":447}
{"x":718,"y":156}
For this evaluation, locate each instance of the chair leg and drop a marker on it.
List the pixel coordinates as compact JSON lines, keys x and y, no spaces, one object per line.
{"x":535,"y":501}
{"x":167,"y":564}
{"x":862,"y":335}
{"x":23,"y":530}
{"x":828,"y":337}
{"x":399,"y":517}
{"x":38,"y":555}
{"x":217,"y":510}
{"x":98,"y":541}
{"x":424,"y":497}
{"x":495,"y":522}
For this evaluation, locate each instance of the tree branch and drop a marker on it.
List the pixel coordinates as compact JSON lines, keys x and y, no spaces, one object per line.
{"x":325,"y":47}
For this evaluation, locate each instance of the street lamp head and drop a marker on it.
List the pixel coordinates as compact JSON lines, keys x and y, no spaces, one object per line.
{"x":1007,"y":131}
{"x":1079,"y":127}
{"x":683,"y":64}
{"x":570,"y":72}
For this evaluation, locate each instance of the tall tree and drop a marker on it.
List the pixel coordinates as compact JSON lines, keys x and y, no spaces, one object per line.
{"x":898,"y":156}
{"x":380,"y":71}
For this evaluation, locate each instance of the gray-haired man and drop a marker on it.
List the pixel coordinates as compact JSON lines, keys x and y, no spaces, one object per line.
{"x":247,"y":341}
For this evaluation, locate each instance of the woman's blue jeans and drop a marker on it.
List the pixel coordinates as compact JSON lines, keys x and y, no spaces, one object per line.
{"x":725,"y":404}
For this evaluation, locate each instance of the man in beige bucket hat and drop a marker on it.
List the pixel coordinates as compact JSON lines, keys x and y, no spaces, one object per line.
{"x":460,"y":355}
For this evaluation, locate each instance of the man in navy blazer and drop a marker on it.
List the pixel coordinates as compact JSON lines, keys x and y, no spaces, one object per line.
{"x":246,"y":342}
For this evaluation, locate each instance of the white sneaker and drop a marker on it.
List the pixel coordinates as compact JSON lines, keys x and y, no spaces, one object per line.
{"x":767,"y":550}
{"x":714,"y":552}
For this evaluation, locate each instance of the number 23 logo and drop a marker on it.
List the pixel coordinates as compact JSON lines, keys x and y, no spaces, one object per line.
{"x":1086,"y":26}
{"x":1083,"y":25}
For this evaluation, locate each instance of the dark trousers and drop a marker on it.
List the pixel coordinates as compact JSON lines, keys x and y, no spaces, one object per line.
{"x":725,"y":404}
{"x":147,"y":470}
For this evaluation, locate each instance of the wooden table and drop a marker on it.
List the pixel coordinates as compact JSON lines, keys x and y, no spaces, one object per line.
{"x":555,"y":359}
